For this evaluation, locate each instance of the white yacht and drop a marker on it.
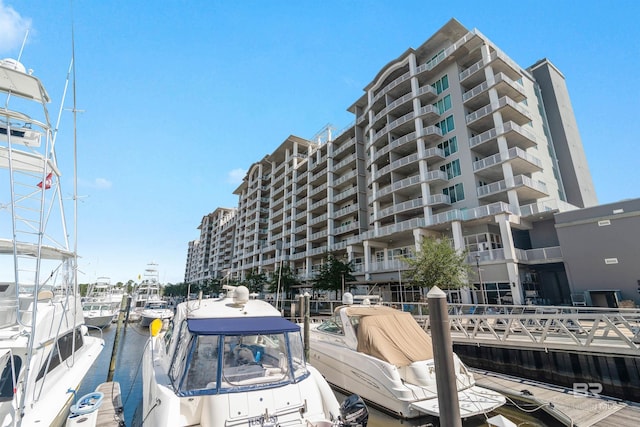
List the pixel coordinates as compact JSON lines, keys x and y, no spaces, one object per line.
{"x":234,"y":361}
{"x":99,"y":309}
{"x":157,"y":309}
{"x":384,"y":356}
{"x":147,"y":290}
{"x":44,"y":350}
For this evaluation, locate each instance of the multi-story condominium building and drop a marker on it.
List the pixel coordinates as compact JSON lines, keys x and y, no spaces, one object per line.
{"x":452,"y":139}
{"x":209,"y":256}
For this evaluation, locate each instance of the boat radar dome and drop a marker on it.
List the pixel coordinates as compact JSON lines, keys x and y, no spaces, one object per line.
{"x":347,"y":298}
{"x":241,"y":295}
{"x":13,"y":64}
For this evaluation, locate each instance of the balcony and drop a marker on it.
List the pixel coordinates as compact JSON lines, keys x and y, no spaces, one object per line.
{"x":547,"y":255}
{"x":526,"y":188}
{"x":521,"y":163}
{"x":436,"y":176}
{"x":434,"y":154}
{"x":501,"y":63}
{"x":397,"y":143}
{"x":345,"y":228}
{"x":431,"y":134}
{"x":504,"y":86}
{"x":382,"y":232}
{"x":346,"y":162}
{"x":345,"y":211}
{"x":516,"y":136}
{"x":406,"y":183}
{"x":344,"y":194}
{"x":482,"y":119}
{"x":429,"y":113}
{"x":438,"y":200}
{"x":404,"y":207}
{"x":548,"y":207}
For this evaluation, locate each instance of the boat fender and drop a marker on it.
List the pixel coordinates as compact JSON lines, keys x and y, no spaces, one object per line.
{"x":88,"y":403}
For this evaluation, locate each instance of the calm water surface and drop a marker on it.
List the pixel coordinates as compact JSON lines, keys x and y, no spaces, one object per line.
{"x":129,"y":374}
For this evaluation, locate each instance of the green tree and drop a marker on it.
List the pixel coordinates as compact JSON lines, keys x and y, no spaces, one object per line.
{"x":255,"y":281}
{"x":179,"y":289}
{"x":83,"y":289}
{"x":437,"y":263}
{"x":210,"y":287}
{"x":287,"y":279}
{"x":333,"y":274}
{"x":130,"y":286}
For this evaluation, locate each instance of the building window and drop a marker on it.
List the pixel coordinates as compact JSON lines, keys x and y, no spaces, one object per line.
{"x":441,"y":85}
{"x":399,"y":253}
{"x":455,"y":193}
{"x":444,"y":104}
{"x":446,"y":125}
{"x":482,"y":242}
{"x":452,"y":169}
{"x":449,"y":147}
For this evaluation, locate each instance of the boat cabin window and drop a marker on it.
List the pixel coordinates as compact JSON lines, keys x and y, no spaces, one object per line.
{"x":10,"y":371}
{"x":210,"y":364}
{"x":62,"y":350}
{"x":181,"y":353}
{"x":203,"y":367}
{"x":332,"y":325}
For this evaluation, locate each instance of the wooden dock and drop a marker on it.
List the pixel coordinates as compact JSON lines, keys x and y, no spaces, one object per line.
{"x":111,"y":412}
{"x":568,"y":407}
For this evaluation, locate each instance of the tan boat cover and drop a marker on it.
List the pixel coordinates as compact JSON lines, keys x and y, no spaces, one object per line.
{"x":391,"y":335}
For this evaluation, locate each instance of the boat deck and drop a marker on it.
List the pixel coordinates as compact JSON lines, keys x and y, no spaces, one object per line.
{"x":568,"y":407}
{"x":111,"y":412}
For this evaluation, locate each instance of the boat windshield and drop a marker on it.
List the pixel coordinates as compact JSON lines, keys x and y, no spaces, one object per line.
{"x":156,"y":305}
{"x":211,"y":364}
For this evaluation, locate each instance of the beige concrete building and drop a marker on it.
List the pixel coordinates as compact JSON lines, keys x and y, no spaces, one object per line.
{"x":451,"y":139}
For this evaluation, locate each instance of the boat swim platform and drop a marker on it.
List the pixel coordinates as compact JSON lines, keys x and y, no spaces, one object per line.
{"x":568,"y":406}
{"x":111,"y":411}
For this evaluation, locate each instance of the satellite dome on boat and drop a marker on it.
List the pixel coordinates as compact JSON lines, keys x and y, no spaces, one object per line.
{"x":347,"y":298}
{"x":241,"y":295}
{"x":13,"y":64}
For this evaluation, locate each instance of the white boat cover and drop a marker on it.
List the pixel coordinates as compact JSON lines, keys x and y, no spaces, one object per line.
{"x":391,"y":335}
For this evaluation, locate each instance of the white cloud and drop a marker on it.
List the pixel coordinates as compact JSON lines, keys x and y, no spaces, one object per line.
{"x":98,"y":183}
{"x":102,"y":183}
{"x":236,"y":176}
{"x":13,"y":28}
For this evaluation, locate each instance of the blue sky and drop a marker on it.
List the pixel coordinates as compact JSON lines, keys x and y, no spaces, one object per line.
{"x":180,"y":97}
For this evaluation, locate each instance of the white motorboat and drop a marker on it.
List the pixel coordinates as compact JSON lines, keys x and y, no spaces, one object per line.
{"x":44,"y":350}
{"x":98,"y":314}
{"x":383,"y":355}
{"x":155,"y":310}
{"x":147,"y":290}
{"x":235,"y":361}
{"x":99,"y":309}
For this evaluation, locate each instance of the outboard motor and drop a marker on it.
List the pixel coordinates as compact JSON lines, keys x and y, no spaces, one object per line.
{"x":354,"y":412}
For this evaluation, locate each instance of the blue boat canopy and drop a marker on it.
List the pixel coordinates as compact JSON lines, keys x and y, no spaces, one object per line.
{"x":241,"y":325}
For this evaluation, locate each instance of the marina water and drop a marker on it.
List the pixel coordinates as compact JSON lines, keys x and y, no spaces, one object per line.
{"x":128,"y":373}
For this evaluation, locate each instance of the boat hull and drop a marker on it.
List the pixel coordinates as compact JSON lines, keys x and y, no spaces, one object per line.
{"x":100,"y":322}
{"x":147,"y":318}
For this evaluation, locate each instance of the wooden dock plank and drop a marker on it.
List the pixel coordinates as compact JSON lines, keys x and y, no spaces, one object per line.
{"x":562,"y":403}
{"x":111,"y":412}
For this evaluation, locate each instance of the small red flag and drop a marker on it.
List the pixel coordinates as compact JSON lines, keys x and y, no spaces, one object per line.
{"x":47,"y":182}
